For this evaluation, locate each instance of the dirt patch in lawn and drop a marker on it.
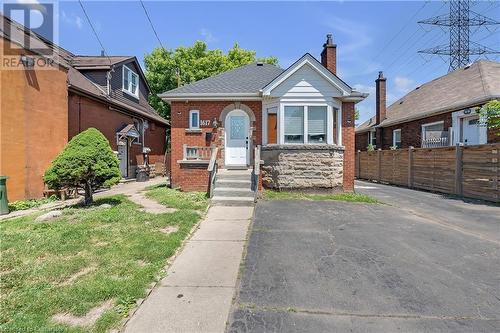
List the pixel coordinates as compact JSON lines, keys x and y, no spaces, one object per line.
{"x":88,"y":320}
{"x":170,"y":229}
{"x":78,"y":274}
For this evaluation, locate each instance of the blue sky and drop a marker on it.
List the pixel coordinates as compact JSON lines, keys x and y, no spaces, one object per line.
{"x":370,"y":36}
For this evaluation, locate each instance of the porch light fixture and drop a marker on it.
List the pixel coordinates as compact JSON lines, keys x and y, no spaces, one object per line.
{"x":215,"y":123}
{"x":28,"y":61}
{"x":467,"y":111}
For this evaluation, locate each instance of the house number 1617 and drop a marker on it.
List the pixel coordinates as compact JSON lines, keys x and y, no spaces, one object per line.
{"x":205,"y":122}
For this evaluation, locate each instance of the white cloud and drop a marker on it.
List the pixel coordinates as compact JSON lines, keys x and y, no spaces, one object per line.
{"x":35,"y":2}
{"x":355,"y":41}
{"x":72,"y":19}
{"x":208,"y":36}
{"x":367,"y":107}
{"x":403,"y":84}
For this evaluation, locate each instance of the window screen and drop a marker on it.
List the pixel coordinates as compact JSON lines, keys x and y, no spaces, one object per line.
{"x":294,"y":124}
{"x":316,"y":124}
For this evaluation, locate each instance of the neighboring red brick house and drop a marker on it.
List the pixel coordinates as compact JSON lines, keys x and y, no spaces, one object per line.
{"x":303,"y":117}
{"x":44,"y":106}
{"x":111,"y":94}
{"x":441,"y":112}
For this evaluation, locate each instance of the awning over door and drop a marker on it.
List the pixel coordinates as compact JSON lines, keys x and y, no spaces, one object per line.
{"x":128,"y":131}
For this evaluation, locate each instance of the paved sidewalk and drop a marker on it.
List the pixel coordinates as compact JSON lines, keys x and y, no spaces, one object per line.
{"x":197,"y":293}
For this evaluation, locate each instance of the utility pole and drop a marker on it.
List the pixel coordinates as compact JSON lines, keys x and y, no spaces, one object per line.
{"x":459,"y":20}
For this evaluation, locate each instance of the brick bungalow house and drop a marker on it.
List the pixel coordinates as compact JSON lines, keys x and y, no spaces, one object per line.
{"x":441,"y":112}
{"x":303,"y":117}
{"x":46,"y":99}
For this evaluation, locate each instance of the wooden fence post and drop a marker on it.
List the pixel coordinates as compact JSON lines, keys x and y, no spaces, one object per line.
{"x":495,"y":177}
{"x":459,"y":151}
{"x":379,"y":164}
{"x":410,"y":166}
{"x":358,"y":163}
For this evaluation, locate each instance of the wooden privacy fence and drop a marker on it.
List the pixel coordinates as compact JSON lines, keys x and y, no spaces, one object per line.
{"x":469,"y":171}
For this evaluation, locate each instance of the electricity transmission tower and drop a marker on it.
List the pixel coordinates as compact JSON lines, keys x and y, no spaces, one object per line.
{"x":459,"y":20}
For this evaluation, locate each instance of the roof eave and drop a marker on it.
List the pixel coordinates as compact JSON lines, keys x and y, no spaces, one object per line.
{"x":471,"y":103}
{"x":355,"y":97}
{"x":307,"y":58}
{"x":211,"y":97}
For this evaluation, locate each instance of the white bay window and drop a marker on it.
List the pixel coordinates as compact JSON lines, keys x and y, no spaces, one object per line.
{"x":309,"y":124}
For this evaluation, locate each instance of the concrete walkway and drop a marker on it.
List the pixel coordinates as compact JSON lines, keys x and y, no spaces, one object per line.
{"x":129,"y":189}
{"x":197,"y":293}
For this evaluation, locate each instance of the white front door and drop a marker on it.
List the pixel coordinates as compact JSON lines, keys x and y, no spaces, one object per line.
{"x":237,"y":126}
{"x":470,"y":131}
{"x":123,"y":157}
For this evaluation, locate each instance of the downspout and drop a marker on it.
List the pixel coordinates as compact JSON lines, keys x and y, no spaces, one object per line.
{"x":79,"y":114}
{"x":108,"y":80}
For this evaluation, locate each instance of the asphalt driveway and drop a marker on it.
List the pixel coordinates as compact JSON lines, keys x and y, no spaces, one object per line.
{"x":337,"y":267}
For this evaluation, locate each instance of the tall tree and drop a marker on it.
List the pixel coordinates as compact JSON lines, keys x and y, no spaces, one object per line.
{"x":167,"y":69}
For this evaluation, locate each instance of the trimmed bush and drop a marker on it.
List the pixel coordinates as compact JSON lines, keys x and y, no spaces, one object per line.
{"x":86,"y":162}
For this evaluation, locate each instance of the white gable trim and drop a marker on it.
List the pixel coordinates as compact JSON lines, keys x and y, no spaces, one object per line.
{"x":320,"y":69}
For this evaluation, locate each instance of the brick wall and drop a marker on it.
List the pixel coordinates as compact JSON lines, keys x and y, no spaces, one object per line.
{"x":493,"y":136}
{"x":85,"y":112}
{"x":411,"y":133}
{"x":195,"y":178}
{"x":33,"y":124}
{"x":348,"y":138}
{"x":362,"y":141}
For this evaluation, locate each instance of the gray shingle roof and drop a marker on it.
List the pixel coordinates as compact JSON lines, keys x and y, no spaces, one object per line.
{"x":246,"y":79}
{"x":456,"y":90}
{"x":97,"y":61}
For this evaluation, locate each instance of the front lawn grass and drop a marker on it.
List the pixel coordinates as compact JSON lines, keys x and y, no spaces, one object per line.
{"x":87,"y":256}
{"x":350,"y":197}
{"x":177,"y":199}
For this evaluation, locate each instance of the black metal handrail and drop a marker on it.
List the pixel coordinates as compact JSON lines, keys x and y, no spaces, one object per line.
{"x":256,"y":172}
{"x":212,"y":170}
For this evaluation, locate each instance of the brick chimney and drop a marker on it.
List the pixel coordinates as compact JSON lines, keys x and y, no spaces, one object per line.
{"x":380,"y":98}
{"x":329,"y":55}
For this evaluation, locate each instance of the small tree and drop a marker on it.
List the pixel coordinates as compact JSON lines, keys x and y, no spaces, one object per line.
{"x":490,"y":112}
{"x":86,"y":162}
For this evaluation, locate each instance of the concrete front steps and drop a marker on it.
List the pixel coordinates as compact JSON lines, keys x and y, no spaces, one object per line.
{"x":233,"y":188}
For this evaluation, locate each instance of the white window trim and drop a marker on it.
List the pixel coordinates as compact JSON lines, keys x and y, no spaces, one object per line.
{"x":126,"y":90}
{"x":394,"y":137}
{"x":329,"y":122}
{"x":427,"y":125}
{"x":371,"y":136}
{"x":265,"y":108}
{"x":191,"y":112}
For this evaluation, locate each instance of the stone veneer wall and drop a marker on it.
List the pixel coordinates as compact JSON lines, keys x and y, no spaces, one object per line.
{"x":302,"y":167}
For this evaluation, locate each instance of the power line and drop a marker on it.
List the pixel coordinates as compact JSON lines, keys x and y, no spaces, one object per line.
{"x":411,"y":58}
{"x":151,"y":23}
{"x":95,"y":32}
{"x":459,"y":21}
{"x":401,"y":30}
{"x":410,"y":38}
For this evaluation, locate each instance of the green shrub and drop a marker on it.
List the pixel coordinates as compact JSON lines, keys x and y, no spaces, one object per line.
{"x":30,"y":203}
{"x":491,"y":114}
{"x":86,"y":162}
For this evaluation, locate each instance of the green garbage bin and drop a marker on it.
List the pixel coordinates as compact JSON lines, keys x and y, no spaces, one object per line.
{"x":4,"y":204}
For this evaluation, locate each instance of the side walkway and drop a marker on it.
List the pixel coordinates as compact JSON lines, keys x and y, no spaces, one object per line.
{"x":196,"y":294}
{"x":128,"y":189}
